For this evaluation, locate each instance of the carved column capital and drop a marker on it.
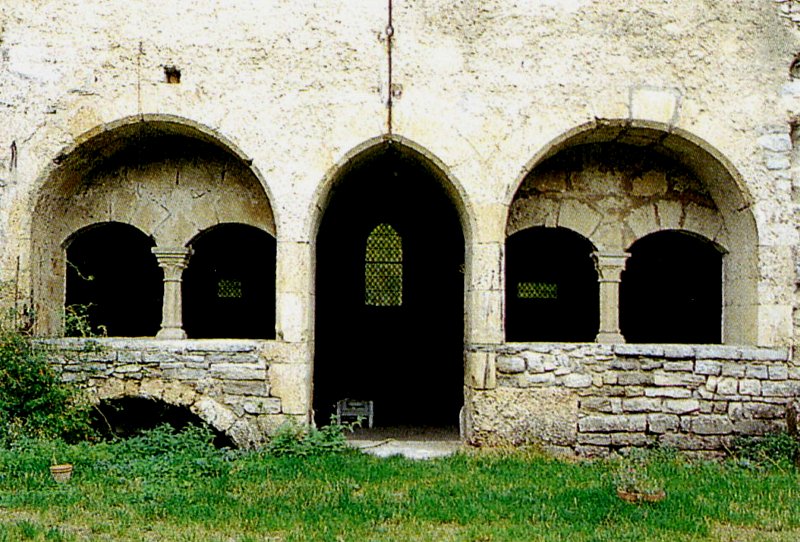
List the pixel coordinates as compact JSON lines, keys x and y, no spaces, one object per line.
{"x":610,"y":265}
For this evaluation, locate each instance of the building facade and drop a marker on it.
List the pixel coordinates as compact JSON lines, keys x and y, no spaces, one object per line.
{"x":566,"y":222}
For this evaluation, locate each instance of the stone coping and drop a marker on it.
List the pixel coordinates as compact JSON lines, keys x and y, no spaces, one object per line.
{"x":666,"y":351}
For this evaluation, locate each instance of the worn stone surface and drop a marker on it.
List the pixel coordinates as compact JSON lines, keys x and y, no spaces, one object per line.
{"x":498,"y":96}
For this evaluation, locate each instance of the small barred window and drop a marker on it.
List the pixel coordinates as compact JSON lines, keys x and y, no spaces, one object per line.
{"x":383,"y":268}
{"x":537,"y":290}
{"x":229,"y":289}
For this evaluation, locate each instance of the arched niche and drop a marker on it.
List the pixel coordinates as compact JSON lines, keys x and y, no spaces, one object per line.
{"x":551,"y":287}
{"x":615,"y":182}
{"x":404,"y":354}
{"x":113,"y":283}
{"x":166,"y":176}
{"x":671,"y":290}
{"x":229,"y":284}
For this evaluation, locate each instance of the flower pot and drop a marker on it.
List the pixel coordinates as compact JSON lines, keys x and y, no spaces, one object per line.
{"x":61,"y":473}
{"x":637,"y":497}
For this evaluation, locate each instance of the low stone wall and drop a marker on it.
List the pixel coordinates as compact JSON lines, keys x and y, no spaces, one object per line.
{"x":591,"y":399}
{"x":227,"y":383}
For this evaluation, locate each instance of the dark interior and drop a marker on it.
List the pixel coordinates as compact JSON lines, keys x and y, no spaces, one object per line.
{"x":551,"y":287}
{"x":229,"y":285}
{"x":408,"y":359}
{"x":113,"y":279}
{"x":671,"y":290}
{"x":129,"y":416}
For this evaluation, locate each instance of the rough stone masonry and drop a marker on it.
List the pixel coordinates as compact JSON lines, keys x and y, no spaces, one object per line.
{"x":612,"y":120}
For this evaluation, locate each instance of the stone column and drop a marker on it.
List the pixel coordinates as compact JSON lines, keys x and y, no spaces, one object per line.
{"x":173,"y":260}
{"x":609,"y":270}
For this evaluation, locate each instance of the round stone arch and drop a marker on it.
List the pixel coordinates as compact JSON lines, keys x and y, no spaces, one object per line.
{"x":168,"y":176}
{"x":721,"y":212}
{"x":217,"y":415}
{"x":409,"y":183}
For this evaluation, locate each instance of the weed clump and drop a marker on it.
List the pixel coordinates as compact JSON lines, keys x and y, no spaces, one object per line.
{"x":296,"y":440}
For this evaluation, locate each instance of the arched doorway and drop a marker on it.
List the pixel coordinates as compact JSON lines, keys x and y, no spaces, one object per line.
{"x":389,"y":315}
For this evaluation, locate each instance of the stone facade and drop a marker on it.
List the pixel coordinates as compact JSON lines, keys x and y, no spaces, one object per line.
{"x":177,"y":117}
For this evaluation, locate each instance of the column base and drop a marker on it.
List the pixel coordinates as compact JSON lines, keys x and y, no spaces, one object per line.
{"x":605,"y":337}
{"x":171,"y":333}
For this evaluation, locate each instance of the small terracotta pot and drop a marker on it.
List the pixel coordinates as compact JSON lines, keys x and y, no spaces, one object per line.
{"x":637,"y":497}
{"x":61,"y":473}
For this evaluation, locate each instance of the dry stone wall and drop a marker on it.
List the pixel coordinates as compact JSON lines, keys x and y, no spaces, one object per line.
{"x":227,"y":383}
{"x":592,"y":399}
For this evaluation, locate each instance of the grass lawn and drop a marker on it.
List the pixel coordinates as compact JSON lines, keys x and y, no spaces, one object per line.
{"x":173,"y":488}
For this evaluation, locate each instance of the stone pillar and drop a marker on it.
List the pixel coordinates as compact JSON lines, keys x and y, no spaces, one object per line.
{"x":609,"y":270}
{"x":173,"y":260}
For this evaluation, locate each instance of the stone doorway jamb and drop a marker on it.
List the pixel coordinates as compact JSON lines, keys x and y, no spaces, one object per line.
{"x":173,"y":260}
{"x":609,"y":272}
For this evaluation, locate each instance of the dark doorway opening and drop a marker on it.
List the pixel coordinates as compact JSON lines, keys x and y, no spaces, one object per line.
{"x":671,"y":290}
{"x":389,"y":313}
{"x":128,"y":416}
{"x":552,"y":293}
{"x":113,"y":282}
{"x":229,"y":285}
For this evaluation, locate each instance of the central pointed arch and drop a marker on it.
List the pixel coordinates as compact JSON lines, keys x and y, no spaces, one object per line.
{"x":390,"y":289}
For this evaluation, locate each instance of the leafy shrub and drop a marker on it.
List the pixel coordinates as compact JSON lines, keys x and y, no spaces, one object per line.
{"x":33,"y":400}
{"x":779,"y":449}
{"x":162,"y":452}
{"x":294,"y":439}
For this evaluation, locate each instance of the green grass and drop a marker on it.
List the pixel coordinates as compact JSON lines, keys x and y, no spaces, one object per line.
{"x":181,"y":489}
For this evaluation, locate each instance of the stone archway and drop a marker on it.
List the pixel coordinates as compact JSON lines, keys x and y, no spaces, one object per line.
{"x":168,"y":177}
{"x":389,"y":291}
{"x":617,"y":181}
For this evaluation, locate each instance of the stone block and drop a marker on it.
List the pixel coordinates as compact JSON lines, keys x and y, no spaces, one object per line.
{"x":679,"y":351}
{"x":510,"y":364}
{"x":764,"y":354}
{"x":601,"y":404}
{"x":785,"y":388}
{"x":641,"y":404}
{"x":778,"y":372}
{"x":258,"y":388}
{"x":594,"y":439}
{"x":534,"y":362}
{"x":634,"y":379}
{"x":716,"y":352}
{"x":685,"y":366}
{"x":756,"y":371}
{"x":733,"y":369}
{"x":749,"y":386}
{"x":266,"y":405}
{"x":662,"y":423}
{"x":757,"y":427}
{"x":727,"y":386}
{"x":707,"y":367}
{"x":711,"y":425}
{"x":681,"y":406}
{"x":576,"y":380}
{"x":612,"y":423}
{"x":678,"y":379}
{"x":530,"y":380}
{"x":631,"y":439}
{"x":762,"y":411}
{"x":239,"y":371}
{"x":690,"y":442}
{"x":655,"y":104}
{"x":639,"y":350}
{"x":671,"y":392}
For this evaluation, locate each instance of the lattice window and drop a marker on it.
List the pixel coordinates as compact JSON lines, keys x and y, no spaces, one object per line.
{"x":229,"y":289}
{"x":383,"y":268}
{"x":537,"y":290}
